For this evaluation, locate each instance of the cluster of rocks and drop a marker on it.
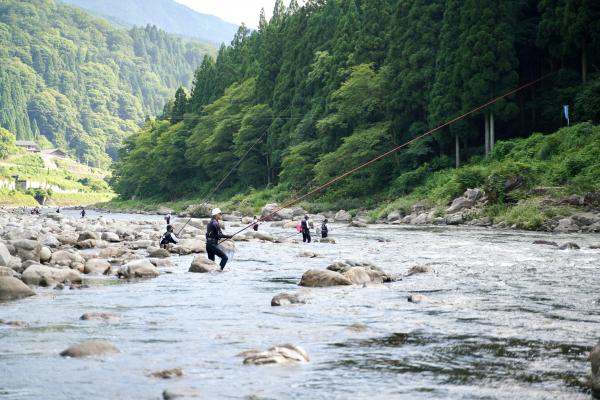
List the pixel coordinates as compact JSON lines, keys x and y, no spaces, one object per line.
{"x":466,"y":209}
{"x":56,"y":251}
{"x":342,"y":273}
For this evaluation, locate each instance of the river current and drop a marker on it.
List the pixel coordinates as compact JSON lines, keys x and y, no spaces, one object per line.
{"x":504,"y":319}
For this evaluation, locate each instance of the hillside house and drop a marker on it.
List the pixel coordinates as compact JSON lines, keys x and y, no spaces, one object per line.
{"x":28,"y":145}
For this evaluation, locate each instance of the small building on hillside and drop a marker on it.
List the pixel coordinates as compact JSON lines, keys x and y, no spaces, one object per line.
{"x":55,"y":153}
{"x":28,"y":145}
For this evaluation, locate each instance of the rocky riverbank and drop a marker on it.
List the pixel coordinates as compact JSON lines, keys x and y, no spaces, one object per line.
{"x":539,"y":210}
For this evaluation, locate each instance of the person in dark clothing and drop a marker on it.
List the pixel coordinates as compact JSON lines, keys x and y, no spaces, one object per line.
{"x":213,"y":235}
{"x":82,"y":213}
{"x":255,"y":223}
{"x":168,"y":237}
{"x":324,"y":229}
{"x":305,"y":229}
{"x":168,"y":218}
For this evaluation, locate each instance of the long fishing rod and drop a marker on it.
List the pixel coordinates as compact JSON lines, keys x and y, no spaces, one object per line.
{"x":394,"y":150}
{"x":205,"y":199}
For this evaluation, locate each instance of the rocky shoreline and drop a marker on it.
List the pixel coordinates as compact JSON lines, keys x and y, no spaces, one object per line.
{"x":466,"y":209}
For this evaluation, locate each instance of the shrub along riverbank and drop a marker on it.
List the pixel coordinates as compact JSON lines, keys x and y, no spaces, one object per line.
{"x":526,"y":183}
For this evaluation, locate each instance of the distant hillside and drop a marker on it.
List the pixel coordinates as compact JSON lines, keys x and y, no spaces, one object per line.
{"x":165,"y":14}
{"x":78,"y":82}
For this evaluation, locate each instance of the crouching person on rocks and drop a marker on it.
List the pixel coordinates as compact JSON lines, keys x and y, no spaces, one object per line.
{"x":213,"y":235}
{"x":168,"y":238}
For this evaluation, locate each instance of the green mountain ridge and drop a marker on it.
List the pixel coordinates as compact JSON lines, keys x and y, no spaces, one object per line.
{"x":80,"y":83}
{"x":165,"y":14}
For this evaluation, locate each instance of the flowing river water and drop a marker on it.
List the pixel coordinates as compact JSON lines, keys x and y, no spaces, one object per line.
{"x":505,"y":319}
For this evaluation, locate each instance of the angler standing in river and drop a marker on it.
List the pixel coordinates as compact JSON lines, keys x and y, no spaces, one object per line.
{"x":213,"y":235}
{"x":305,"y":229}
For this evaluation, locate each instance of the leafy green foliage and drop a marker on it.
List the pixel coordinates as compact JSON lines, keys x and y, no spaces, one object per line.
{"x":7,"y":143}
{"x":336,"y":83}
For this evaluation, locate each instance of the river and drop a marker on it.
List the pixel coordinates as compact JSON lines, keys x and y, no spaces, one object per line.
{"x":506,"y":319}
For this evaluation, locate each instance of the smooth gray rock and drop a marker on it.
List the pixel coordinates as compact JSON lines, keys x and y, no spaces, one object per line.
{"x":89,"y":348}
{"x":13,"y":289}
{"x":86,"y":235}
{"x":138,"y":269}
{"x":323,"y":278}
{"x":97,"y":266}
{"x":202,"y":264}
{"x":5,"y":256}
{"x":284,"y":299}
{"x":110,"y":237}
{"x":342,"y":216}
{"x":43,"y":275}
{"x":27,"y":249}
{"x":280,"y":354}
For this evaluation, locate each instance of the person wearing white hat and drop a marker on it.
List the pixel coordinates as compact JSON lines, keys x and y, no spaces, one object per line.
{"x":213,"y":235}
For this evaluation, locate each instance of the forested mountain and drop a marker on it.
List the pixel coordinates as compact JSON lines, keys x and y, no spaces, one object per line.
{"x":335,"y":83}
{"x":81,"y":83}
{"x":165,"y":14}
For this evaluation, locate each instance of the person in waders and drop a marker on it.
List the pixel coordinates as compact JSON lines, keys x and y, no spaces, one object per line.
{"x":213,"y":235}
{"x":255,"y":223}
{"x":168,"y":237}
{"x":168,"y":218}
{"x":82,"y":213}
{"x":324,"y":229}
{"x":305,"y":229}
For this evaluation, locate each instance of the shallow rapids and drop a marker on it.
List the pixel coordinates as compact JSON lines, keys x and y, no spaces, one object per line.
{"x":504,"y":319}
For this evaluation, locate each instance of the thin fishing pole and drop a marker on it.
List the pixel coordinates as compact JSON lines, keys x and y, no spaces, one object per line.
{"x":395,"y":149}
{"x":225,"y":177}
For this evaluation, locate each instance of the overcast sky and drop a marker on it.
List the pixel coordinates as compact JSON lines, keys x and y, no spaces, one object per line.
{"x":235,"y":11}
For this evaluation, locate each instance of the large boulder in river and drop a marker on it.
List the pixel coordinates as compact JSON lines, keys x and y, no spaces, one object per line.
{"x":261,"y":235}
{"x":283,"y":299}
{"x":89,"y":348}
{"x":272,"y":212}
{"x":159,"y":253}
{"x":360,"y":272}
{"x":202,"y":264}
{"x":343,"y":216}
{"x":138,"y":269}
{"x":97,"y":266}
{"x":27,"y":250}
{"x":280,"y":354}
{"x":13,"y":289}
{"x":86,"y":235}
{"x":110,"y":237}
{"x":43,"y":275}
{"x":5,"y":256}
{"x":66,"y":258}
{"x":323,"y":278}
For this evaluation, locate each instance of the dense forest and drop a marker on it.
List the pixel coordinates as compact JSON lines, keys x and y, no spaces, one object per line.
{"x":324,"y":87}
{"x":73,"y":81}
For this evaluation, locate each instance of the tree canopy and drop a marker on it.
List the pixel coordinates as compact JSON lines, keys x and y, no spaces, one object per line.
{"x":335,"y":82}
